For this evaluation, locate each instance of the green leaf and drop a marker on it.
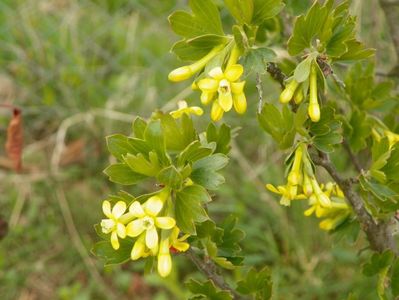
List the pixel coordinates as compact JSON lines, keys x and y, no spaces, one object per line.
{"x":206,"y":290}
{"x":266,"y":9}
{"x":139,"y":126}
{"x":111,"y":256}
{"x":139,"y":164}
{"x":118,"y":145}
{"x":395,"y":278}
{"x":188,"y":207}
{"x":241,"y":10}
{"x":122,"y":174}
{"x":229,"y":246}
{"x":193,"y":152}
{"x":302,"y":71}
{"x":306,"y":28}
{"x":187,"y":52}
{"x":256,"y":60}
{"x":221,"y":137}
{"x":153,"y":135}
{"x":280,"y":125}
{"x":378,"y":262}
{"x":356,"y":51}
{"x":257,"y":283}
{"x":204,"y":171}
{"x":171,"y":177}
{"x":204,"y":20}
{"x":361,"y":130}
{"x":207,"y":41}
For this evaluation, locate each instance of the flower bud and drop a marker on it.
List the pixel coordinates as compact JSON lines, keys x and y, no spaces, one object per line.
{"x":298,"y":96}
{"x":180,"y":74}
{"x":164,"y":264}
{"x":289,"y":91}
{"x":314,"y":108}
{"x":138,"y":248}
{"x":314,"y":112}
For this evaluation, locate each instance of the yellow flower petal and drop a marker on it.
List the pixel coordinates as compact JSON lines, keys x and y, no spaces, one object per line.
{"x":195,"y":110}
{"x":181,"y":246}
{"x":271,"y":188}
{"x":216,"y":112}
{"x":165,"y":222}
{"x":153,"y":206}
{"x":118,"y":209}
{"x":207,"y":97}
{"x":237,"y":87}
{"x":135,"y":228}
{"x":151,"y":237}
{"x":216,"y":73}
{"x":114,"y":240}
{"x":310,"y":211}
{"x":164,"y":264}
{"x":107,"y":209}
{"x":225,"y":101}
{"x":234,"y":72}
{"x":240,"y":103}
{"x":208,"y":85}
{"x":121,"y":230}
{"x":136,"y":210}
{"x":107,"y":225}
{"x":138,"y":249}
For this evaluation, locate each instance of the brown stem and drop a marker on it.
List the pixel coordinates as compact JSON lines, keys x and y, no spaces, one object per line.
{"x":209,"y":269}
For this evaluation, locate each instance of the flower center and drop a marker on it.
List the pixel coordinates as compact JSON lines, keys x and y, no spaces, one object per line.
{"x":148,"y":222}
{"x":224,"y":86}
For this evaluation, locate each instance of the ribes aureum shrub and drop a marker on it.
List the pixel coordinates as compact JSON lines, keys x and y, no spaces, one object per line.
{"x":317,"y":114}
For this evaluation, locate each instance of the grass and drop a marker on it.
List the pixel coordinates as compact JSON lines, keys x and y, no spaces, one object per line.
{"x":88,"y":67}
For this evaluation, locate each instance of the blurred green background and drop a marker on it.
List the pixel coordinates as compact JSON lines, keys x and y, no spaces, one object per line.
{"x":82,"y":69}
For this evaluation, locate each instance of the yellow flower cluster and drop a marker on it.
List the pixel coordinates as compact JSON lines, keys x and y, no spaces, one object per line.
{"x":294,"y":90}
{"x":155,"y":235}
{"x":222,"y":87}
{"x":327,"y":201}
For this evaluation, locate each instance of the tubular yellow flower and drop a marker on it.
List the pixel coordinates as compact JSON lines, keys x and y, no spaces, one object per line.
{"x":393,"y":138}
{"x":288,"y":193}
{"x":176,"y":243}
{"x":148,"y":221}
{"x":287,"y":94}
{"x":115,"y":224}
{"x":295,"y":174}
{"x":323,"y":199}
{"x":314,"y":108}
{"x":298,"y":96}
{"x":183,"y":108}
{"x":186,"y":72}
{"x":225,"y":87}
{"x":164,"y":258}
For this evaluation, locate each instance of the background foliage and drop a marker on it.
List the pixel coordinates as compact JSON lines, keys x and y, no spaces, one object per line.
{"x":85,"y":69}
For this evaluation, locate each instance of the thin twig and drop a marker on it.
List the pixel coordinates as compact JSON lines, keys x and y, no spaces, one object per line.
{"x":209,"y":269}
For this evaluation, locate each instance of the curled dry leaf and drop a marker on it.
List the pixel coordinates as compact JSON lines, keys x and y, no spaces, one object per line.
{"x":14,"y":141}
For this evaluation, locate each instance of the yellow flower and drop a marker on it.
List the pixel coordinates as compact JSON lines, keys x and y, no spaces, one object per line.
{"x":183,"y":108}
{"x":288,"y":193}
{"x":172,"y":243}
{"x":186,"y":72}
{"x":314,"y":107}
{"x":176,"y":243}
{"x":225,"y":87}
{"x":115,"y":222}
{"x":148,"y":221}
{"x":333,"y":215}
